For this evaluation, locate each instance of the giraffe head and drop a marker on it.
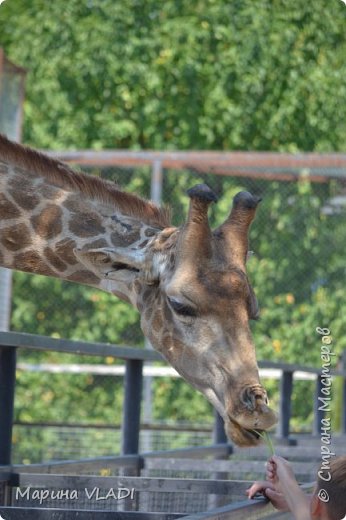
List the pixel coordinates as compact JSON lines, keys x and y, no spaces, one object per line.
{"x":195,"y":299}
{"x":189,"y":283}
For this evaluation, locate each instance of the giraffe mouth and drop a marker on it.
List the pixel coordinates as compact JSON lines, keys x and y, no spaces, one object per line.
{"x":119,"y":266}
{"x":243,"y":437}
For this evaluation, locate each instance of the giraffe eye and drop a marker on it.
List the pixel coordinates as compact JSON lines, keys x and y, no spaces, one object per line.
{"x":181,"y":308}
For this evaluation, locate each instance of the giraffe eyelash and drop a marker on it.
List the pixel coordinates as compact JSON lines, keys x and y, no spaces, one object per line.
{"x":181,"y":308}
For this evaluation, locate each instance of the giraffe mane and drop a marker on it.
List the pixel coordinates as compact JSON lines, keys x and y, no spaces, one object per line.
{"x":61,"y":175}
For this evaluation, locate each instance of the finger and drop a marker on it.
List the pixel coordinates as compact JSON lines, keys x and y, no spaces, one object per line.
{"x":256,"y":487}
{"x":277,"y":460}
{"x":270,"y":473}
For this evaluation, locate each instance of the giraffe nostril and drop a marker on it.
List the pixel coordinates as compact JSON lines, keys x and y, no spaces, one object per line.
{"x":254,"y":396}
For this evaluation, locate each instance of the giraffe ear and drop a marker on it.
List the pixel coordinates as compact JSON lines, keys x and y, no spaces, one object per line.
{"x":109,"y":262}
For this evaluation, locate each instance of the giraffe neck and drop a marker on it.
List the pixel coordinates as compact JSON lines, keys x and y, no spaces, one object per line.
{"x":41,"y":226}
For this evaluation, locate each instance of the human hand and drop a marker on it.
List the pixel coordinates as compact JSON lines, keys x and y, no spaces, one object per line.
{"x":279,"y":472}
{"x":267,"y":489}
{"x":281,"y":476}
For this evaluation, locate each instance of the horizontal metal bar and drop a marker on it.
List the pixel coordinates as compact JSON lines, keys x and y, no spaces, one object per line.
{"x":286,"y":367}
{"x":33,"y":341}
{"x":251,"y":510}
{"x":117,"y":426}
{"x":36,"y":342}
{"x":149,"y":370}
{"x":34,"y":513}
{"x":254,"y":510}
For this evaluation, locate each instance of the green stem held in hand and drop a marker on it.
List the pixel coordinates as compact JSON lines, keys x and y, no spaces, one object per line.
{"x":265,"y":436}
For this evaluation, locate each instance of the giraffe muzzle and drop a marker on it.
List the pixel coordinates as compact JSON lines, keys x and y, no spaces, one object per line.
{"x":249,"y":416}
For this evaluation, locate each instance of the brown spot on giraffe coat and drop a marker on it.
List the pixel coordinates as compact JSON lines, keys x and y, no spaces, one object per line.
{"x":16,"y":237}
{"x":64,"y":249}
{"x":86,"y":277}
{"x":48,"y":223}
{"x":126,"y":239}
{"x":54,"y":259}
{"x":8,"y":209}
{"x":26,"y":197}
{"x":32,"y":262}
{"x":86,"y":225}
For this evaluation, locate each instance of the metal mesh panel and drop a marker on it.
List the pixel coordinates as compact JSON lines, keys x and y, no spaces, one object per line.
{"x":35,"y":444}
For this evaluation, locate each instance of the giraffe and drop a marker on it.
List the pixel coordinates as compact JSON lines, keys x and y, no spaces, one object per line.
{"x":189,"y":283}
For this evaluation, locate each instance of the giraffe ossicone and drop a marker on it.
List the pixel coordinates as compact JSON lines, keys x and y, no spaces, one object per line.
{"x":188,"y":283}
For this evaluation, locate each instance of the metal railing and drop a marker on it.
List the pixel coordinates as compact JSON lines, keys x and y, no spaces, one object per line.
{"x":134,"y":359}
{"x":126,"y":472}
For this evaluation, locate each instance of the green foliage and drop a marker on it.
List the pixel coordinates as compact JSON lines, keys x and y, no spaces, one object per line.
{"x":206,"y":74}
{"x":171,"y":401}
{"x":99,"y":317}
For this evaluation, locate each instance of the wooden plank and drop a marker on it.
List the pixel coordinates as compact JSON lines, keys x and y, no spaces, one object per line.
{"x":36,"y":342}
{"x":208,"y":159}
{"x":215,"y":450}
{"x":298,"y":453}
{"x":338,"y":441}
{"x":229,"y":466}
{"x":95,"y":464}
{"x":147,"y":484}
{"x":132,"y":461}
{"x":38,"y":513}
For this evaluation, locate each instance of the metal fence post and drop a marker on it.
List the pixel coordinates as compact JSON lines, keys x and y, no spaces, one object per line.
{"x":156,"y":182}
{"x":318,"y":411}
{"x":12,"y":85}
{"x":156,"y":197}
{"x":7,"y":387}
{"x":219,"y":435}
{"x":286,"y":385}
{"x":132,"y":406}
